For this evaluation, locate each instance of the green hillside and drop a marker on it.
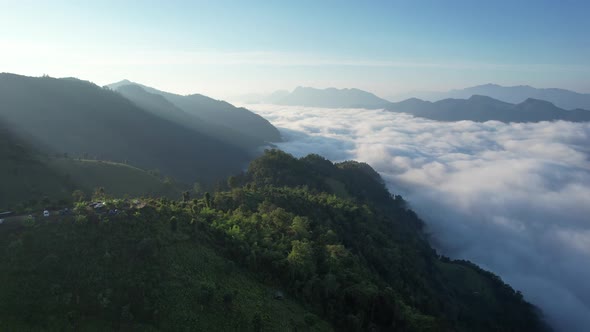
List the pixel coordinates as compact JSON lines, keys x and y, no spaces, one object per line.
{"x":25,"y":176}
{"x":129,"y":274}
{"x":329,"y":236}
{"x":35,"y":180}
{"x":118,"y":180}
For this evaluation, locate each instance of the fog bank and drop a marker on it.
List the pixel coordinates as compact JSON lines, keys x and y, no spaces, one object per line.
{"x":513,"y":198}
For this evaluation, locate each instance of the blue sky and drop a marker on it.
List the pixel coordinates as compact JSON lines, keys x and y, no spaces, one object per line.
{"x":225,"y":48}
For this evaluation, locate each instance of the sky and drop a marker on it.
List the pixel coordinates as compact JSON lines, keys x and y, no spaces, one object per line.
{"x":226,"y":48}
{"x":512,"y":197}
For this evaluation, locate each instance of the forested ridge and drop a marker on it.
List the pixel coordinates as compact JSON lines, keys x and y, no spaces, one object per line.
{"x":347,"y":255}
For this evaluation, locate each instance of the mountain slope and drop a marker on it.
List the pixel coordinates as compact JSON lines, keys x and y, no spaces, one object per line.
{"x":25,"y":175}
{"x":80,"y":118}
{"x":163,"y":108}
{"x":330,"y":98}
{"x":482,"y":108}
{"x":131,"y":272}
{"x":219,"y":113}
{"x":117,"y":180}
{"x":32,"y":179}
{"x":329,"y":236}
{"x":565,"y":99}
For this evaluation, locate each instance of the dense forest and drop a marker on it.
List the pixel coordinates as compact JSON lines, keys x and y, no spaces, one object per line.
{"x":291,"y":244}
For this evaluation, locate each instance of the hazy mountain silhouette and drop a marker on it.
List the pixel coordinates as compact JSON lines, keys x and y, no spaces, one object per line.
{"x":475,"y":108}
{"x":483,"y":108}
{"x":331,"y":98}
{"x":78,"y":117}
{"x":216,"y":112}
{"x":276,"y":96}
{"x":160,"y":106}
{"x":513,"y":94}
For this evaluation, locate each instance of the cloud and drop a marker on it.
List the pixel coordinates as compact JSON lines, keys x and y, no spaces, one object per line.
{"x":513,"y":198}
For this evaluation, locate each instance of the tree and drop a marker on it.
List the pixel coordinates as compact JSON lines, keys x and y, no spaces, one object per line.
{"x":228,"y":299}
{"x":257,"y":322}
{"x":208,"y":199}
{"x":78,"y":195}
{"x":197,"y":189}
{"x":300,"y":226}
{"x":98,"y":194}
{"x":301,"y":257}
{"x":232,"y":182}
{"x":173,"y":224}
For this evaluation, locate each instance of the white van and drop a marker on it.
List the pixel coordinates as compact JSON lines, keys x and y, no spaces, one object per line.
{"x":45,"y":213}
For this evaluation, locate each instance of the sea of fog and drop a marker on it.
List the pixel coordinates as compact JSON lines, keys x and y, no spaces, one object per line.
{"x":513,"y":198}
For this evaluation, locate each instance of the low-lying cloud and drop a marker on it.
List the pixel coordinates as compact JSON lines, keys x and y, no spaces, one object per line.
{"x":513,"y":198}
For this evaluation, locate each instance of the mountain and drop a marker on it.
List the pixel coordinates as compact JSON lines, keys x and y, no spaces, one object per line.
{"x":293,"y":245}
{"x":163,"y":108}
{"x":482,"y":108}
{"x":219,"y":116}
{"x":25,"y":174}
{"x":81,"y":119}
{"x":330,"y":98}
{"x":475,"y":108}
{"x":515,"y":94}
{"x":117,"y":179}
{"x":37,"y":180}
{"x":276,"y":96}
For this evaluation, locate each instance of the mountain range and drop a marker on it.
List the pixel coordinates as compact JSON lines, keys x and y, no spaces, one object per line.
{"x":79,"y":118}
{"x":512,"y":94}
{"x":482,"y":108}
{"x":475,"y":108}
{"x":330,"y":97}
{"x":217,"y":118}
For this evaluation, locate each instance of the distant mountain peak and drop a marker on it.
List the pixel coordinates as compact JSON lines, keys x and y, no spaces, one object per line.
{"x":488,"y":85}
{"x":122,"y":82}
{"x":515,"y":94}
{"x":536,"y":103}
{"x":331,"y":98}
{"x":481,"y":98}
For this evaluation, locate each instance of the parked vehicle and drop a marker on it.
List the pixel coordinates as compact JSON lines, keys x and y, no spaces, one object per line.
{"x":6,"y":214}
{"x":46,"y":213}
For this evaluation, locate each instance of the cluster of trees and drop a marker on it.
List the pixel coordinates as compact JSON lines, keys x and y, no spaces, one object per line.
{"x":330,"y":236}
